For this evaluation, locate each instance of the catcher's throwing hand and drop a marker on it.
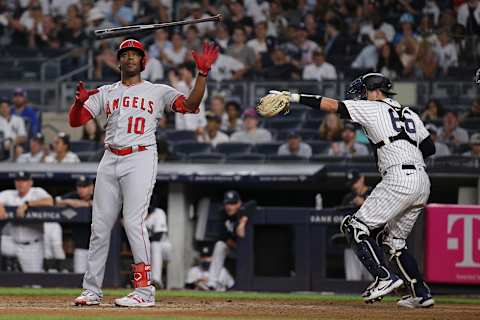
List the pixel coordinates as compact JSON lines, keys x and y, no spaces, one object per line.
{"x":276,"y":102}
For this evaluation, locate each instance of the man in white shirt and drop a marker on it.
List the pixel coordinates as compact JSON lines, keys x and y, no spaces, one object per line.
{"x":474,"y":146}
{"x":153,"y":71}
{"x":259,"y":43}
{"x":62,"y":153}
{"x":441,"y":149}
{"x":446,"y":52}
{"x":320,"y":69}
{"x":212,"y":134}
{"x":348,"y":147}
{"x":177,"y":53}
{"x":160,"y":246}
{"x":295,"y":147}
{"x":12,"y":126}
{"x":26,"y":242}
{"x":37,"y":150}
{"x":470,"y":9}
{"x":227,"y":68}
{"x":204,"y":29}
{"x":250,"y":132}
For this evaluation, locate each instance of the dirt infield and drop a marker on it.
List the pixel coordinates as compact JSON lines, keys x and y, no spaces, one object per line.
{"x":181,"y":307}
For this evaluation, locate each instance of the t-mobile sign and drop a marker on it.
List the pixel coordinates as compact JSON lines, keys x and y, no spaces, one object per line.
{"x":452,"y":244}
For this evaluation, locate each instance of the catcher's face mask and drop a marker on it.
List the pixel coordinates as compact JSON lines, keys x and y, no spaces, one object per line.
{"x":356,"y":90}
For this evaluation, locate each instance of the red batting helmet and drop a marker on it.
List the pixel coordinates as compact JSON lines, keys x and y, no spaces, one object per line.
{"x":132,"y":44}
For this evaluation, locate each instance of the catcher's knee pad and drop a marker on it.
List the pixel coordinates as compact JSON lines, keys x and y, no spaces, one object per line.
{"x":141,"y":275}
{"x":408,"y":268}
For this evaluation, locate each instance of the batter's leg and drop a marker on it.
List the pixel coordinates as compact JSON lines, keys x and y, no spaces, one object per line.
{"x":220,"y":252}
{"x":107,"y":202}
{"x":139,"y":173}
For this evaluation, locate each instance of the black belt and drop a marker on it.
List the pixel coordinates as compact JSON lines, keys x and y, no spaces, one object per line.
{"x":408,"y":167}
{"x":26,"y":243}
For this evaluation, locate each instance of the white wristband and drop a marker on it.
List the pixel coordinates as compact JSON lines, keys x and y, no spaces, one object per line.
{"x":294,"y":97}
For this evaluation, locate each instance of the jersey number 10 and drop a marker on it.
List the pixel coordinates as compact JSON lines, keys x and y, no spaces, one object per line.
{"x":138,"y":125}
{"x":409,"y":124}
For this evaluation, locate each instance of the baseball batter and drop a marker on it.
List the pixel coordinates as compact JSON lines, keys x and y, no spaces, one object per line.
{"x":401,"y":143}
{"x":126,"y":174}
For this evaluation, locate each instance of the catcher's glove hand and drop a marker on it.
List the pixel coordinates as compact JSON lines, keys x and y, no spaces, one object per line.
{"x":274,"y":103}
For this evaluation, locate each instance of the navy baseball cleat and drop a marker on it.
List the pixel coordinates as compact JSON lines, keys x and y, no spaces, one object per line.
{"x":416,"y":302}
{"x":383,"y":288}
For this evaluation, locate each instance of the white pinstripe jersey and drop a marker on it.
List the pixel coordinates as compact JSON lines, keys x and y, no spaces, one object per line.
{"x":381,"y":120}
{"x":132,"y":111}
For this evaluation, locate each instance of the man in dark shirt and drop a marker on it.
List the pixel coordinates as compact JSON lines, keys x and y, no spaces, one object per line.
{"x":360,"y":191}
{"x":80,"y":198}
{"x":234,"y":227}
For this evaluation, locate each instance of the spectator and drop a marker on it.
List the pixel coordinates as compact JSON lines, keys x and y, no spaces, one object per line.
{"x":250,"y":132}
{"x":474,"y":146}
{"x":277,"y":23}
{"x":468,"y":15}
{"x":304,"y":46}
{"x":175,"y":55}
{"x":38,"y":151}
{"x":91,"y":131}
{"x":354,"y":270}
{"x":222,"y":36}
{"x":240,"y":51}
{"x":204,"y":29}
{"x":233,"y":123}
{"x":235,"y":222}
{"x":238,"y":18}
{"x":192,"y":122}
{"x":20,"y":108}
{"x":192,"y":38}
{"x":331,"y":127}
{"x":348,"y":147}
{"x":82,"y":197}
{"x":62,"y":153}
{"x":211,"y":133}
{"x":217,"y":106}
{"x":12,"y":126}
{"x":159,"y":45}
{"x":407,"y":24}
{"x":73,"y":35}
{"x":474,"y":112}
{"x":96,"y":20}
{"x":160,"y":246}
{"x":198,"y":276}
{"x":336,"y":43}
{"x":106,"y":66}
{"x":446,"y":53}
{"x":426,"y":63}
{"x":295,"y":147}
{"x":452,"y":134}
{"x":282,"y":68}
{"x":153,"y":70}
{"x":407,"y":45}
{"x":367,"y":58}
{"x":227,"y":68}
{"x":60,"y":7}
{"x":119,"y":14}
{"x":259,"y":42}
{"x":26,"y":242}
{"x":441,"y":149}
{"x":389,"y":63}
{"x":433,"y":111}
{"x":375,"y":24}
{"x":319,"y":69}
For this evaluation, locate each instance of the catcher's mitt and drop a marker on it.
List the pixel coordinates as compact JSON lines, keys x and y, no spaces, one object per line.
{"x":273,"y":104}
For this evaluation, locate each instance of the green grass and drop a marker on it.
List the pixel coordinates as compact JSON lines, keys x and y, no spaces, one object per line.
{"x":235,"y":295}
{"x":18,"y":317}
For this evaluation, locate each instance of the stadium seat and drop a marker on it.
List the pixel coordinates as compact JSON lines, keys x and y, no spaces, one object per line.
{"x":267,"y":149}
{"x":286,"y":158}
{"x":311,"y":124}
{"x":82,"y":146}
{"x":180,"y":135}
{"x":471,"y":124}
{"x":283,"y":124}
{"x":328,"y":159}
{"x":233,"y":147}
{"x":240,"y":157}
{"x":206,"y":157}
{"x":319,"y":147}
{"x":191,"y":147}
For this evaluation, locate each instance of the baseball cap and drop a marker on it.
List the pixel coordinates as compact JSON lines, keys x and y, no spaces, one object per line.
{"x":4,"y":99}
{"x":84,"y":181}
{"x":231,"y":197}
{"x":205,"y":251}
{"x":250,"y":113}
{"x":39,"y":137}
{"x":19,"y":92}
{"x":475,"y":138}
{"x":212,"y":116}
{"x":352,"y":177}
{"x":23,"y":175}
{"x":406,"y":18}
{"x":293,"y":134}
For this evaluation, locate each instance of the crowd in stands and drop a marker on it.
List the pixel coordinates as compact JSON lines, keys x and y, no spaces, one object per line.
{"x":279,"y":39}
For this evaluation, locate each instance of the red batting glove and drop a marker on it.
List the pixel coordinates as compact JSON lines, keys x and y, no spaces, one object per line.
{"x":206,"y":59}
{"x":82,"y":94}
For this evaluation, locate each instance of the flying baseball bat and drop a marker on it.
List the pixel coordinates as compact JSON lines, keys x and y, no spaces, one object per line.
{"x":128,"y":30}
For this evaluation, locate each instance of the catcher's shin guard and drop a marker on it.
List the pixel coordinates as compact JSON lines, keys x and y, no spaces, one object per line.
{"x":141,"y":275}
{"x":409,"y":271}
{"x":365,"y":247}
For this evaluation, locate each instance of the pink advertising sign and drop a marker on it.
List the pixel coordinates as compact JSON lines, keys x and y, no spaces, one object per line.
{"x":452,"y":244}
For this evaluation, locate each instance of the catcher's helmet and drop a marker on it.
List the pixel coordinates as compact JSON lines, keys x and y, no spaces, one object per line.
{"x":370,"y":81}
{"x":132,"y":44}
